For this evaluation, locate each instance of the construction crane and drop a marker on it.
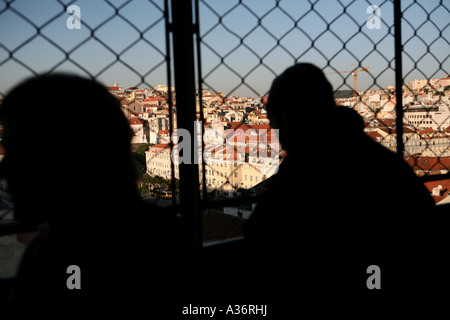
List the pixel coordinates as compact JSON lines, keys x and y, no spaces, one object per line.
{"x":355,"y":78}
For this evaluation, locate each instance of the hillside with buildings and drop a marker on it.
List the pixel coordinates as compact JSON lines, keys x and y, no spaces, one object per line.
{"x":237,"y":162}
{"x":241,"y":150}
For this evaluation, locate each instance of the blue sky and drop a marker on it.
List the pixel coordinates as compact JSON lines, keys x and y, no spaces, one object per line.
{"x":280,"y":39}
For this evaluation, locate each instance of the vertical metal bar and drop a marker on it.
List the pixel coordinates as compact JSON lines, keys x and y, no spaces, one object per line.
{"x":184,"y":67}
{"x":398,"y":76}
{"x":169,"y":96}
{"x":200,"y":94}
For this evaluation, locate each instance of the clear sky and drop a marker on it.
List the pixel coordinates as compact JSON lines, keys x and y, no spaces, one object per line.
{"x":276,"y":33}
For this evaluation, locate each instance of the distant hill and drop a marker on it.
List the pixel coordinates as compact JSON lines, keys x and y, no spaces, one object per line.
{"x":343,"y":94}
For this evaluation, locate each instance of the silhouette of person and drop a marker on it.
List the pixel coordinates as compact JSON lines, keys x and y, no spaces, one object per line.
{"x":339,"y":202}
{"x":69,"y":167}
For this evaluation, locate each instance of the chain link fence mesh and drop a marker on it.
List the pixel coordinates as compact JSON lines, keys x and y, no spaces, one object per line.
{"x":244,"y":45}
{"x":113,"y":38}
{"x":119,"y":43}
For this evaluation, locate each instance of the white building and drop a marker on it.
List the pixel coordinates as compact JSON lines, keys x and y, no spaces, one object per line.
{"x":435,"y":116}
{"x":137,"y":126}
{"x":156,"y":123}
{"x":228,"y":167}
{"x":158,"y":159}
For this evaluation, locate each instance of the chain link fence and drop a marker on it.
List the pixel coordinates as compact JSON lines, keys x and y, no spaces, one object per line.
{"x":102,"y":40}
{"x":122,"y":44}
{"x":249,"y":43}
{"x":242,"y":46}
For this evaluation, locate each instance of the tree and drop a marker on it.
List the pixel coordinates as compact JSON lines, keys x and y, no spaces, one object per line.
{"x":146,"y":179}
{"x":143,"y":148}
{"x":339,"y":94}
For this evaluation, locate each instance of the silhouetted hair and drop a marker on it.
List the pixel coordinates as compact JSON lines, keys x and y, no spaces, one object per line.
{"x":300,"y":99}
{"x":298,"y":89}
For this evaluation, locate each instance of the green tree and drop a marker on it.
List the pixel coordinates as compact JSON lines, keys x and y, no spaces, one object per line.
{"x":343,"y":94}
{"x":143,"y":148}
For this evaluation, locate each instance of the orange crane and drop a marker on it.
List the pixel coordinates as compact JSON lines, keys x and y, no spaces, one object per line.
{"x":355,"y":78}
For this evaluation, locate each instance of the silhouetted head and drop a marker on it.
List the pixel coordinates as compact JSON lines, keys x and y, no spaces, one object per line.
{"x":67,"y":145}
{"x":299,"y":100}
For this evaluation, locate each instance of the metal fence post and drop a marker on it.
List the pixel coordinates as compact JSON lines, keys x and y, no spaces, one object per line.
{"x":398,"y":77}
{"x":184,"y":66}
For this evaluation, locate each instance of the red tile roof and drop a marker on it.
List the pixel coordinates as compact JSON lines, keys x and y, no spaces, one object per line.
{"x":428,"y":163}
{"x":445,"y":184}
{"x":161,"y":145}
{"x":135,"y":121}
{"x":113,"y":88}
{"x":154,"y":98}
